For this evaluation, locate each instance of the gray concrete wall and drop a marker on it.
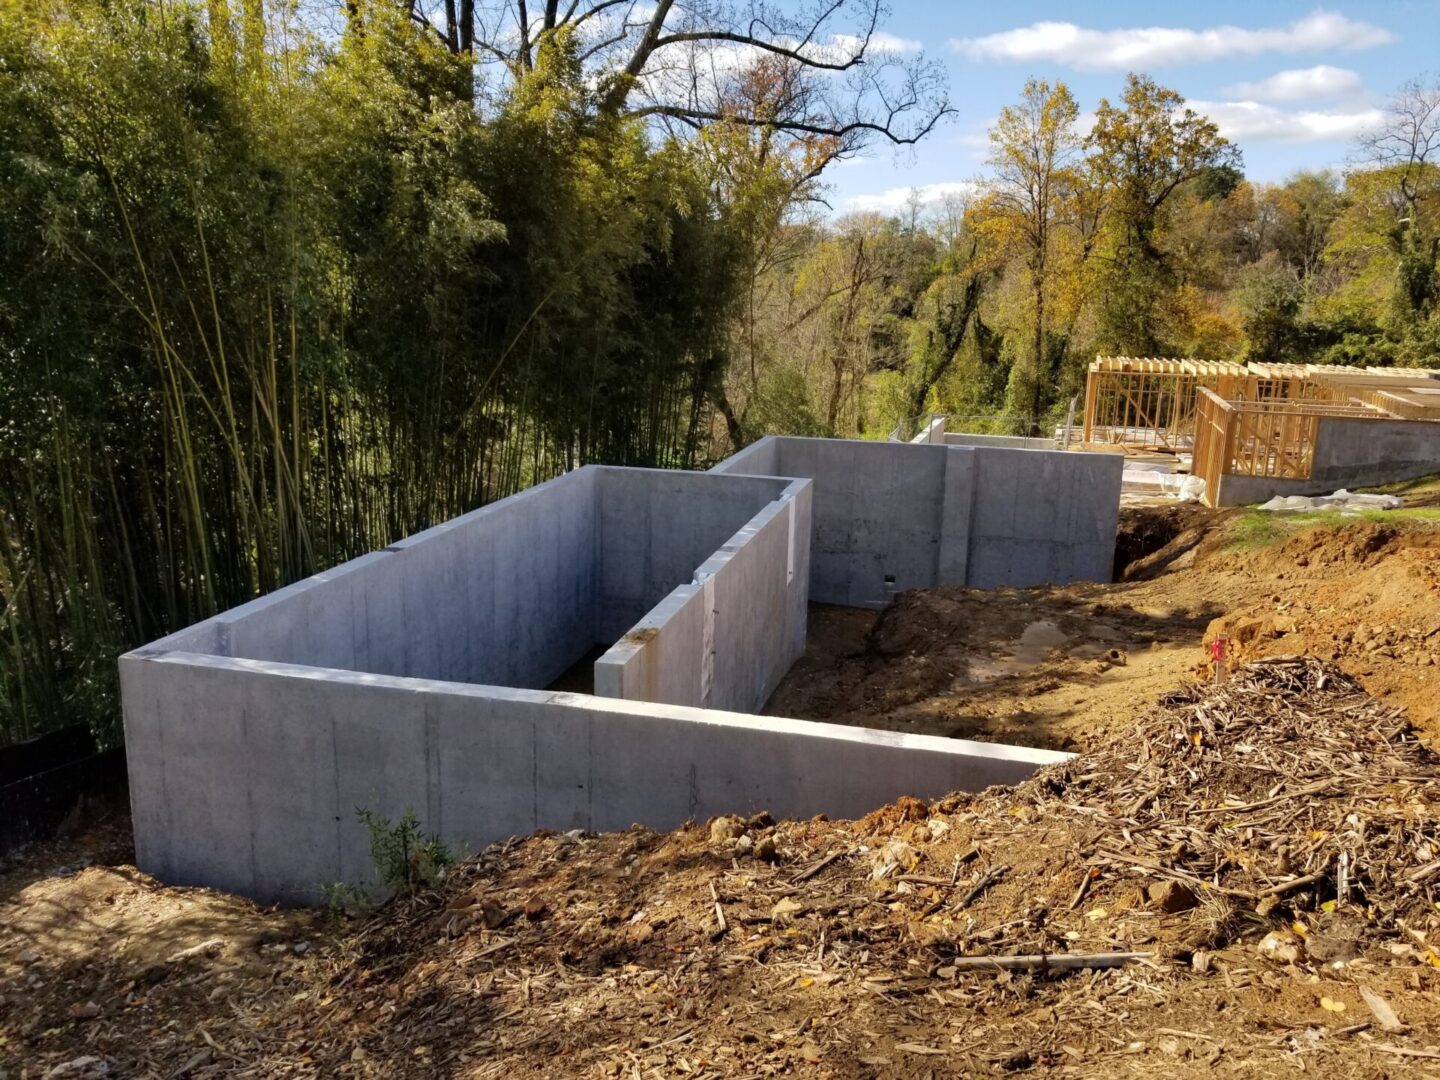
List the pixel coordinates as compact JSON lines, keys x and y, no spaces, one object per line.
{"x":251,"y":741}
{"x":1348,"y":454}
{"x":511,"y":594}
{"x":1013,"y":442}
{"x":725,"y":640}
{"x":1042,"y":516}
{"x":656,"y":527}
{"x":249,"y":772}
{"x":932,"y":434}
{"x":504,"y":595}
{"x":895,"y":516}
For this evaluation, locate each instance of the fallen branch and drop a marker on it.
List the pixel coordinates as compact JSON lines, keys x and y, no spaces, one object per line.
{"x":1295,"y":883}
{"x":815,"y":867}
{"x":984,"y":883}
{"x":1178,"y":875}
{"x":1091,"y":873}
{"x":1047,"y":961}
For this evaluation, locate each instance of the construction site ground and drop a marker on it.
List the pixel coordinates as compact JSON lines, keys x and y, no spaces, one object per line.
{"x":1239,"y":877}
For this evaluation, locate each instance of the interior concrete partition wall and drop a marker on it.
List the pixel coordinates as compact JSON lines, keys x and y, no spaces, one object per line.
{"x":894,"y":516}
{"x":725,"y":640}
{"x":933,"y":432}
{"x":1348,"y":454}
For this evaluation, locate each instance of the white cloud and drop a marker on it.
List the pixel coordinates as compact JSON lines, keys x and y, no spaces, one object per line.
{"x":896,"y":199}
{"x":1253,"y":121}
{"x":1300,"y":84}
{"x":1158,"y":46}
{"x":880,"y":41}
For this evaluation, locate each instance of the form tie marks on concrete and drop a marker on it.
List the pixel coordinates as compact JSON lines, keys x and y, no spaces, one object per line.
{"x":416,"y":677}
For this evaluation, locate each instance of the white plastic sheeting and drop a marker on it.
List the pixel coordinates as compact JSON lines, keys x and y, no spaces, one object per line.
{"x":1341,"y":500}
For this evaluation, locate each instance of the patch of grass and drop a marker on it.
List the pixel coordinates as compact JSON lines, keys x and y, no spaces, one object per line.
{"x":1421,"y":485}
{"x":1253,"y":529}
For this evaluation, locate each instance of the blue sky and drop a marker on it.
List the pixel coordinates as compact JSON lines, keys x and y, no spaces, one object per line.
{"x":1291,"y":83}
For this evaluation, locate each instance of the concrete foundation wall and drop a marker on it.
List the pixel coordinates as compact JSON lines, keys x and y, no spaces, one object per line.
{"x":1013,"y":442}
{"x":933,"y":433}
{"x":895,"y":516}
{"x":656,"y":527}
{"x":511,"y":594}
{"x":250,"y":771}
{"x":1348,"y":454}
{"x":253,"y":737}
{"x":503,"y":595}
{"x":725,"y":640}
{"x":1042,"y":516}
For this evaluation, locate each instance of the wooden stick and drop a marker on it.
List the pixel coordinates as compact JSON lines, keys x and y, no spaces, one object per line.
{"x":984,"y":883}
{"x":1178,"y":875}
{"x":1091,"y":873}
{"x":1295,"y":883}
{"x":815,"y":867}
{"x":1047,"y":961}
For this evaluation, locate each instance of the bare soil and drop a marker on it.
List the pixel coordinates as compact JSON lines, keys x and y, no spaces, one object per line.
{"x":1067,"y":666}
{"x":837,"y":949}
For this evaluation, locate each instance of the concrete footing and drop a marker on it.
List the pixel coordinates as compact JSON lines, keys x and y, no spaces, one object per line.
{"x":415,"y":677}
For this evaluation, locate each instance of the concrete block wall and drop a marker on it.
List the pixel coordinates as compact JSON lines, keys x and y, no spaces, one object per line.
{"x":725,"y":640}
{"x":1013,"y":442}
{"x":896,"y":516}
{"x":1348,"y":454}
{"x":248,"y":772}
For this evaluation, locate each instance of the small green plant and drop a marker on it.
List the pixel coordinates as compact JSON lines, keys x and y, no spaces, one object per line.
{"x":406,"y":858}
{"x":344,"y":900}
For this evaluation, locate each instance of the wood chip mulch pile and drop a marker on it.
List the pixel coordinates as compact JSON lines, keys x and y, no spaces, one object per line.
{"x":1245,"y":881}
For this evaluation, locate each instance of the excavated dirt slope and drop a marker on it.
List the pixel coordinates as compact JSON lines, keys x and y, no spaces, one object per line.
{"x":1259,"y":861}
{"x":1067,"y":666}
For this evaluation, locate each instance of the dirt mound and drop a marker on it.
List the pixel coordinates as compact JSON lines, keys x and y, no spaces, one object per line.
{"x":1362,"y":544}
{"x":955,"y":662}
{"x":105,"y":972}
{"x":1214,"y":889}
{"x":1245,"y":880}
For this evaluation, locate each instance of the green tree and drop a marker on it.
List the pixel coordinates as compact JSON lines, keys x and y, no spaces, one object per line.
{"x":1035,"y":149}
{"x":1141,"y":152}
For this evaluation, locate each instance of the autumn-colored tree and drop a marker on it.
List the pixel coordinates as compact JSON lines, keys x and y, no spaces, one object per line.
{"x":1035,"y":150}
{"x":1141,"y":152}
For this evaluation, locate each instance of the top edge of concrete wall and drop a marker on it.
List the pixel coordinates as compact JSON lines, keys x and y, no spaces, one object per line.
{"x":807,"y":729}
{"x":209,"y":634}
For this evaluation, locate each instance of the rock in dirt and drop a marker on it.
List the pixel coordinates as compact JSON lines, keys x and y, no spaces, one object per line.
{"x":87,"y":1067}
{"x":765,"y":849}
{"x":896,"y":855}
{"x":1282,"y":947}
{"x":84,"y":1010}
{"x":726,"y":828}
{"x":1171,"y":897}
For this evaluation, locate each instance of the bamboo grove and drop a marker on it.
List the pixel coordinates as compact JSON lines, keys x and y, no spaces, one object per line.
{"x":277,"y":294}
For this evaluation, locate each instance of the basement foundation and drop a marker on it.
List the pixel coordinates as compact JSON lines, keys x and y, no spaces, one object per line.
{"x":415,"y":677}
